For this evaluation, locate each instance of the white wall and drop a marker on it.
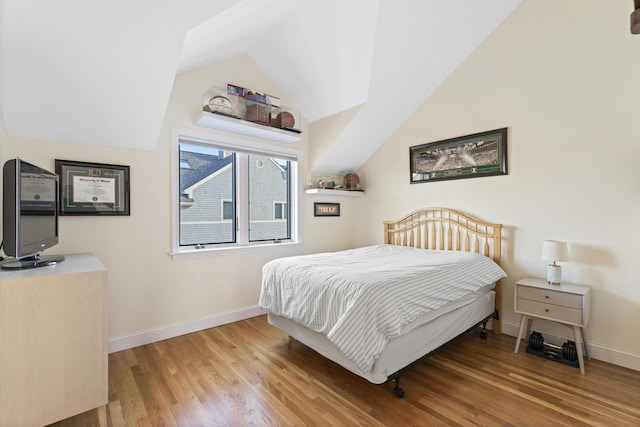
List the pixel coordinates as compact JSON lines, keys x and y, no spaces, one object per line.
{"x":150,"y":295}
{"x":3,"y":136}
{"x":562,"y":76}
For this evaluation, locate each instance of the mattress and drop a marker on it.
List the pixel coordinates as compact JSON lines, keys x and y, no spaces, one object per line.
{"x":363,"y":298}
{"x":431,"y":332}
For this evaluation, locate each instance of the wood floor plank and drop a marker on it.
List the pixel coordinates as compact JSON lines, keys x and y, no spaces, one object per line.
{"x":249,"y":373}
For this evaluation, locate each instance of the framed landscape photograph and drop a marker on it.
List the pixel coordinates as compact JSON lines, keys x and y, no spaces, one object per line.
{"x":93,"y":188}
{"x":470,"y":156}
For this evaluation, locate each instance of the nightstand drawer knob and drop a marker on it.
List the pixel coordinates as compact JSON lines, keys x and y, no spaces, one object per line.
{"x":546,"y":296}
{"x":546,"y":310}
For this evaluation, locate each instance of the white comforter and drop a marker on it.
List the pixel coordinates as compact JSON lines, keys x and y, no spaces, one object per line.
{"x":362,"y":298}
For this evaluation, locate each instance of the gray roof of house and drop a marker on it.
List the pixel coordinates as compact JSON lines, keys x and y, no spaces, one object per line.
{"x":202,"y":165}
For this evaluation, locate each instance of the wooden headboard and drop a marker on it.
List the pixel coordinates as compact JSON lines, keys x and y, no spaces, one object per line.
{"x":446,"y":229}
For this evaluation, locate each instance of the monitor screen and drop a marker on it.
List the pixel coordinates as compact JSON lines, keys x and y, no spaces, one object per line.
{"x":30,"y":214}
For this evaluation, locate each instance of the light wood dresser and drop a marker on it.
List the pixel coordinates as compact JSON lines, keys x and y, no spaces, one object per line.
{"x":53,"y":342}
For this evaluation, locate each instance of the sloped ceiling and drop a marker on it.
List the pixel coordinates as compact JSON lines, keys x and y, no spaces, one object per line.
{"x":101,"y":72}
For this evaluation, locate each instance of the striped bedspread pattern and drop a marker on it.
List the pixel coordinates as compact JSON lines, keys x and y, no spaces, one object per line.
{"x":362,"y":298}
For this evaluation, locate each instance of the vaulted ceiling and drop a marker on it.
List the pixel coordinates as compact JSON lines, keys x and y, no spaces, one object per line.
{"x":101,"y":72}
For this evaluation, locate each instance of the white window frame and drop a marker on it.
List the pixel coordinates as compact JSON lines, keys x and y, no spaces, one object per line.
{"x":235,"y":143}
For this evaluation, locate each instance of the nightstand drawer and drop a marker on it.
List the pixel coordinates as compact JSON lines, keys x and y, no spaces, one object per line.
{"x":551,"y":296}
{"x":549,"y":311}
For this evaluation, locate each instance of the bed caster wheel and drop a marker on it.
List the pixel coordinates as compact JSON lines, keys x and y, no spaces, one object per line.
{"x":484,"y":335}
{"x":398,"y":392}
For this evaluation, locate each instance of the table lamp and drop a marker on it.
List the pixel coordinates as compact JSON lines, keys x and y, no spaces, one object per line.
{"x":553,"y":250}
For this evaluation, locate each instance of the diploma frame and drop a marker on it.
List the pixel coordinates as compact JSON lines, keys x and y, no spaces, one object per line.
{"x":92,"y":188}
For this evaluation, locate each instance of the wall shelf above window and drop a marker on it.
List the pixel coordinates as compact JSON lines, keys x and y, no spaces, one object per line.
{"x":243,"y":127}
{"x":332,"y":192}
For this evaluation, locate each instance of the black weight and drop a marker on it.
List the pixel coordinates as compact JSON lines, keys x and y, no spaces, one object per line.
{"x":536,"y":341}
{"x":569,"y":350}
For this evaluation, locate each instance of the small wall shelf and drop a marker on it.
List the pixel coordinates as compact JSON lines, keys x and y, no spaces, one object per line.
{"x":243,"y":127}
{"x":332,"y":192}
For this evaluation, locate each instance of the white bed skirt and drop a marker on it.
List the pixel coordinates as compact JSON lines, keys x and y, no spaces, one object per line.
{"x":403,"y":350}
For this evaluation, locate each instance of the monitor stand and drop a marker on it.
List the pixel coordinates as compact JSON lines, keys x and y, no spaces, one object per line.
{"x":31,"y":262}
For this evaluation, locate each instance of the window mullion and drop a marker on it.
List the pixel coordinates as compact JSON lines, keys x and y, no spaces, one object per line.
{"x":242,"y":198}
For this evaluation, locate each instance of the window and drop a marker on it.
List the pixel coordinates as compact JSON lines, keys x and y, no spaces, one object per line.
{"x":227,"y":210}
{"x":268,"y":182}
{"x":280,"y":210}
{"x":232,"y":195}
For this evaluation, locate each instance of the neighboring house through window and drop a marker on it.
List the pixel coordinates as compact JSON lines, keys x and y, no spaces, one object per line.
{"x":279,"y":210}
{"x":227,"y":210}
{"x":231,"y":195}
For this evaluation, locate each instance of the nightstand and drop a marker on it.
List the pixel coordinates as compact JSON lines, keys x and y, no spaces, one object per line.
{"x":566,"y":303}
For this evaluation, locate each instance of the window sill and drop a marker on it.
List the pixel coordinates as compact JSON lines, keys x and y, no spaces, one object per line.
{"x":230,"y":250}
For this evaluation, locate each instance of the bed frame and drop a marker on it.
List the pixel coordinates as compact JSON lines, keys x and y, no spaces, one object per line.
{"x":428,"y":228}
{"x":447,"y":229}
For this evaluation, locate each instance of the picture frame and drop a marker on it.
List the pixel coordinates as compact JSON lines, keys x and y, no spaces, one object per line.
{"x":469,"y":156}
{"x":92,"y":188}
{"x":326,"y":209}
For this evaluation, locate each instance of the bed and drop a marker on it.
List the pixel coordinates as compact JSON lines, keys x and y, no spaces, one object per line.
{"x":376,"y":310}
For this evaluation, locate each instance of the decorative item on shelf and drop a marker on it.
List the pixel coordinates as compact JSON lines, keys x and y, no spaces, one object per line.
{"x":249,"y":106}
{"x":555,"y":251}
{"x":215,"y":100}
{"x":326,"y":183}
{"x":284,"y":120}
{"x":349,"y":184}
{"x":258,"y":108}
{"x":219,"y":104}
{"x":235,"y":90}
{"x":351,"y":181}
{"x":273,"y":100}
{"x":257,"y":97}
{"x":257,"y":113}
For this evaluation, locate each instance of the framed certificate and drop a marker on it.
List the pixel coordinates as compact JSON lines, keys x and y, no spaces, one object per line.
{"x":92,"y":188}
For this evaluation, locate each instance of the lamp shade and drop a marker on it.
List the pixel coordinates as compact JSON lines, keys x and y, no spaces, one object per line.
{"x":553,"y":250}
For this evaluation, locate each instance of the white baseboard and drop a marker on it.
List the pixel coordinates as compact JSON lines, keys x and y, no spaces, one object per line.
{"x":147,"y":337}
{"x":596,"y":351}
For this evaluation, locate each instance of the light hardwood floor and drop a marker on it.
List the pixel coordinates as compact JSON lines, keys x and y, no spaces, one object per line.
{"x":249,"y":373}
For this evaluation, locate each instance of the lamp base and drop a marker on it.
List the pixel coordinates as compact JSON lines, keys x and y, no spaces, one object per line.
{"x":554,"y":274}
